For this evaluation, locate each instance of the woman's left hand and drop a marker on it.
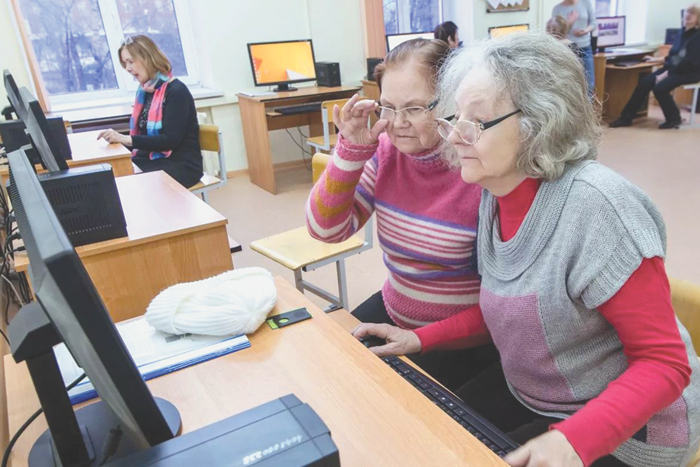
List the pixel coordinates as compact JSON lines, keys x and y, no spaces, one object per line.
{"x":579,"y":32}
{"x":551,"y":449}
{"x":662,"y":76}
{"x":114,"y":137}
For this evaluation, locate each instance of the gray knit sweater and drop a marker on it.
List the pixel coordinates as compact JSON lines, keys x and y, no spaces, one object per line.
{"x":586,"y":17}
{"x":583,"y":237}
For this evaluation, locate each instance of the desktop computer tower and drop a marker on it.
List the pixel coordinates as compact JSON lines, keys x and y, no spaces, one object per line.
{"x":371,"y":65}
{"x":86,"y":202}
{"x":328,"y":74}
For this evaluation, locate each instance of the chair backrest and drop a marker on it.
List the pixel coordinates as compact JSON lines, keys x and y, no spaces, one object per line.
{"x":327,"y":108}
{"x":209,"y":138}
{"x":318,"y":165}
{"x":686,"y":302}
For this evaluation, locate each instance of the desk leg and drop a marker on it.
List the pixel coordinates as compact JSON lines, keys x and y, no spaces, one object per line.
{"x":599,"y":62}
{"x":257,"y":144}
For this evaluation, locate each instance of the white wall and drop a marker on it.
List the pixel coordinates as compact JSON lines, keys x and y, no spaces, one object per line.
{"x":11,"y":54}
{"x":663,"y":14}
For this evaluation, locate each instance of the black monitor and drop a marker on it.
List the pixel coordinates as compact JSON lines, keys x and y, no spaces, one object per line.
{"x":13,"y":94}
{"x":14,"y":137}
{"x":672,"y":34}
{"x":40,"y":134}
{"x":67,"y":297}
{"x":611,"y":31}
{"x":282,"y":63}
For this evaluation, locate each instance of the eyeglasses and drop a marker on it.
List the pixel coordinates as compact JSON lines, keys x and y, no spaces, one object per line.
{"x":410,"y":114}
{"x":469,"y":132}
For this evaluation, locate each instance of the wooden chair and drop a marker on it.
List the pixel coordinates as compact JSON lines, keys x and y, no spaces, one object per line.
{"x":329,"y":138}
{"x":686,"y":302}
{"x":210,"y":139}
{"x":298,"y":251}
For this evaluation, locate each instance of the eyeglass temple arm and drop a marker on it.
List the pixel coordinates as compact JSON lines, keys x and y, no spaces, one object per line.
{"x":487,"y":125}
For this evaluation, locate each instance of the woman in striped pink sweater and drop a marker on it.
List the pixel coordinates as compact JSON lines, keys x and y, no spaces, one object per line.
{"x":426,"y":217}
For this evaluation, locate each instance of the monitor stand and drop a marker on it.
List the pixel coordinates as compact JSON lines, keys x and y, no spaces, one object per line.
{"x":284,"y":88}
{"x":74,"y":438}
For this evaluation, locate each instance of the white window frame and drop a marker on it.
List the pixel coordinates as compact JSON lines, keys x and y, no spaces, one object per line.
{"x":126,"y":84}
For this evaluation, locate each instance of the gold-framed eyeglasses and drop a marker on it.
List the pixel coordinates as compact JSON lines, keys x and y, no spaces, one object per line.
{"x":410,"y":114}
{"x":468,"y":131}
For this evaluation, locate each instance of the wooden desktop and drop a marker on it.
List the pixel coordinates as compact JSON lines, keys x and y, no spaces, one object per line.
{"x":615,"y":84}
{"x":88,"y":150}
{"x":375,"y":417}
{"x":258,"y":118}
{"x":173,"y":237}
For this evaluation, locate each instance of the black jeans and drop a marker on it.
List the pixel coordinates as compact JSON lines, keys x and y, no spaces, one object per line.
{"x":662,"y":92}
{"x":488,"y":394}
{"x":451,"y":368}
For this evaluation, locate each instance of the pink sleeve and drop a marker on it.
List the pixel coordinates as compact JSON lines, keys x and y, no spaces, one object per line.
{"x":463,"y":330}
{"x":343,"y":198}
{"x":642,"y":314}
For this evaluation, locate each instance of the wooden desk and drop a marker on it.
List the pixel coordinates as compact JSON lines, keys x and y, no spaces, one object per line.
{"x":87,"y":150}
{"x":375,"y":417}
{"x":615,"y":85}
{"x":174,"y":237}
{"x":258,"y":119}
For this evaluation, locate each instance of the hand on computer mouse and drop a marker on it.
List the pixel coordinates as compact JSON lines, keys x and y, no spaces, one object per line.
{"x":398,"y":341}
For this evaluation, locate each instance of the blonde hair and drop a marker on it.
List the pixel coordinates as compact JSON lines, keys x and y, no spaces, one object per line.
{"x":694,"y":9}
{"x":558,"y":27}
{"x":144,"y":48}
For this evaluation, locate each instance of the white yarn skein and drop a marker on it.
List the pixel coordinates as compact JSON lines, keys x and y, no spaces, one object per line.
{"x":234,"y":302}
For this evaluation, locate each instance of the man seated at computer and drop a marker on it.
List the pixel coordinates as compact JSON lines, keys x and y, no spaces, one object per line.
{"x":163,"y":131}
{"x":681,"y":66}
{"x":448,"y":32}
{"x":595,"y":368}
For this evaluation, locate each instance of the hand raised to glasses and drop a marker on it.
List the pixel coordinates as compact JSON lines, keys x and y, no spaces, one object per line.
{"x":352,"y":121}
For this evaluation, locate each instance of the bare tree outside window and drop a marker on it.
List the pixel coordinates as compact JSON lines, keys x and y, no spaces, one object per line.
{"x":425,"y":15}
{"x":70,"y":44}
{"x":411,"y":16}
{"x":157,"y":20}
{"x":391,"y":20}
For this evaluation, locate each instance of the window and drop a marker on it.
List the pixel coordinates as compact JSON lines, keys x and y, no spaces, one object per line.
{"x":605,"y":8}
{"x":404,"y":16}
{"x":76,"y":42}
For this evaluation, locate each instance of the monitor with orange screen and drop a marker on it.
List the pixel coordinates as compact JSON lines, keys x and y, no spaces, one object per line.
{"x":500,"y":31}
{"x":282,"y":63}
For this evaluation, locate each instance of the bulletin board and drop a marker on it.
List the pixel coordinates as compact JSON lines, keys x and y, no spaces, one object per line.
{"x":504,"y":6}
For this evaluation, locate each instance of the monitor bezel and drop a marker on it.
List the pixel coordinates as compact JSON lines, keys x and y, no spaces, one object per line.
{"x":386,"y":37}
{"x":624,"y":32}
{"x":277,"y":83}
{"x":509,"y":26}
{"x":13,"y":93}
{"x":40,"y":134}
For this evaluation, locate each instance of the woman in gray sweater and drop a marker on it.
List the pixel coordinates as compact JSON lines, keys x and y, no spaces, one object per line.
{"x":580,"y":14}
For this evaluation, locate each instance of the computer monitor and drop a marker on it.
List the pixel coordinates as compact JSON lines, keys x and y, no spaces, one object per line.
{"x":282,"y":63}
{"x":611,"y":31}
{"x":40,"y":135}
{"x":14,"y":137}
{"x":672,"y":34}
{"x":500,"y":31}
{"x":66,"y":295}
{"x":393,"y":40}
{"x":13,"y":94}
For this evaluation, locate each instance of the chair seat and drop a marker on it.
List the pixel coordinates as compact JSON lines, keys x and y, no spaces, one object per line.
{"x":295,"y":249}
{"x":319,"y":141}
{"x":205,"y":181}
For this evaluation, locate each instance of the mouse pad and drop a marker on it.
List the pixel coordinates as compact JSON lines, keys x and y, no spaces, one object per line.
{"x":290,"y":317}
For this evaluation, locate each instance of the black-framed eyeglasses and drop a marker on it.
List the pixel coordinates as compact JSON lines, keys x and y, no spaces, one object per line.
{"x":468,"y":131}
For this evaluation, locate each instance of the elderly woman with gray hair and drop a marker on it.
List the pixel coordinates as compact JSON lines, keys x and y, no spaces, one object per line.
{"x":595,"y":368}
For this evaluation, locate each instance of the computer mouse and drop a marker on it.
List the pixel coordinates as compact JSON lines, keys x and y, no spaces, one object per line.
{"x":372,"y":341}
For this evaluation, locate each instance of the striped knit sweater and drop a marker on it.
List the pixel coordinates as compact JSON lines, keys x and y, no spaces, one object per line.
{"x":426,"y":222}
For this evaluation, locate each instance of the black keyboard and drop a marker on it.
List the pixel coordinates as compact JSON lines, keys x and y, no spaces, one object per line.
{"x":489,"y":435}
{"x":299,"y":109}
{"x":626,"y":63}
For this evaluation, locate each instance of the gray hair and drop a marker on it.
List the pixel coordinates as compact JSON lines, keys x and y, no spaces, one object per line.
{"x":543,"y":78}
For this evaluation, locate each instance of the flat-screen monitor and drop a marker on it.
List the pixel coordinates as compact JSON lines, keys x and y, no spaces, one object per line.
{"x":500,"y":31}
{"x":611,"y":31}
{"x":13,"y":94}
{"x":69,"y":299}
{"x":282,"y":63}
{"x":40,"y":135}
{"x":14,"y":137}
{"x":671,"y":35}
{"x":393,"y":40}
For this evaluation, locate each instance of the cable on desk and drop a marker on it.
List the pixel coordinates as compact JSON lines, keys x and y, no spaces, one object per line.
{"x":35,"y":415}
